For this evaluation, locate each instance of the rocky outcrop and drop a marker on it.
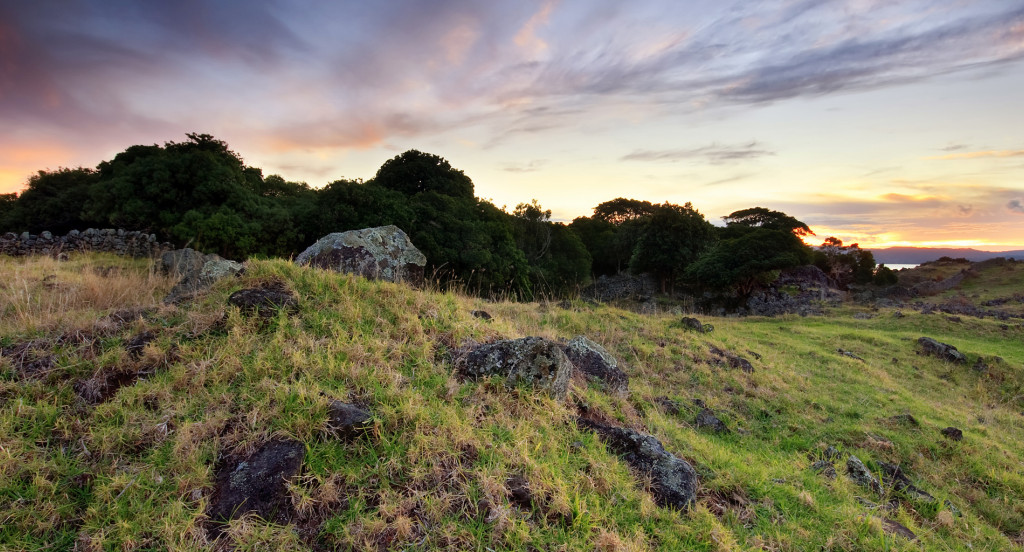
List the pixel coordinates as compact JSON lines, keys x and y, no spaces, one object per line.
{"x":533,"y":361}
{"x":673,"y":480}
{"x":121,"y":242}
{"x":720,"y":356}
{"x":597,"y":364}
{"x":691,"y":323}
{"x":198,"y":272}
{"x":621,"y":286}
{"x":382,"y":253}
{"x":942,"y":350}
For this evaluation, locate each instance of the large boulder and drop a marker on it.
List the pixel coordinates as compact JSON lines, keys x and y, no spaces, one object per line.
{"x":597,"y":364}
{"x":383,"y":253}
{"x":674,"y":481}
{"x":941,"y":350}
{"x":531,"y":360}
{"x":198,"y":272}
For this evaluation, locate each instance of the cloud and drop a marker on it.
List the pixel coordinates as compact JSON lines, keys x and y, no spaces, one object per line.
{"x":980,"y":155}
{"x":714,"y":153}
{"x":532,"y":166}
{"x":1016,"y":206}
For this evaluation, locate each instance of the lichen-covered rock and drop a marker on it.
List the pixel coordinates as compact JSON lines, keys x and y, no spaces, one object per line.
{"x":197,"y":277}
{"x":530,"y":360}
{"x":941,"y":350}
{"x":383,"y":253}
{"x":691,"y":323}
{"x":953,"y":433}
{"x":597,"y":364}
{"x":861,"y":475}
{"x":674,"y":481}
{"x":257,"y":483}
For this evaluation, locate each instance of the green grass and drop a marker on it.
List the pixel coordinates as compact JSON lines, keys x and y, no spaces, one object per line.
{"x":136,"y":472}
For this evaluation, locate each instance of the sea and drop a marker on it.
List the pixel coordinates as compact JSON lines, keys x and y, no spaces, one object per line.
{"x":895,"y":266}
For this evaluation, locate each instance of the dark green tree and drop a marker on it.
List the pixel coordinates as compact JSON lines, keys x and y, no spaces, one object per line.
{"x":760,"y":217}
{"x":673,"y":237}
{"x":558,"y":260}
{"x":845,"y":264}
{"x":598,"y":237}
{"x":415,"y":172}
{"x":52,"y":201}
{"x":621,"y":210}
{"x":748,"y":260}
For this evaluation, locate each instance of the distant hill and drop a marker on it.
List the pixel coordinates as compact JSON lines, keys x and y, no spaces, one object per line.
{"x":918,"y":255}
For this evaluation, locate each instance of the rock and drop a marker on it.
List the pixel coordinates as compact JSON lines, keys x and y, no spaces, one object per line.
{"x":824,"y":467}
{"x":257,"y":483}
{"x":706,"y":419}
{"x":531,"y":360}
{"x":732,"y":359}
{"x":347,"y":420}
{"x":952,"y":508}
{"x":673,"y":480}
{"x":860,"y":475}
{"x":180,"y":262}
{"x":831,"y":454}
{"x":696,"y":325}
{"x":953,"y":433}
{"x":196,"y":280}
{"x":265,"y":301}
{"x":483,"y":315}
{"x":671,"y":406}
{"x":383,"y":253}
{"x":900,"y":482}
{"x":941,"y":350}
{"x":849,"y":354}
{"x":894,"y":527}
{"x":980,"y":366}
{"x":597,"y":364}
{"x":138,"y":343}
{"x":863,"y":316}
{"x":898,"y":314}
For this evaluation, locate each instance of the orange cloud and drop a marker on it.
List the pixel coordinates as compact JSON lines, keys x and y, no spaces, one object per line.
{"x":527,"y":38}
{"x":980,"y":154}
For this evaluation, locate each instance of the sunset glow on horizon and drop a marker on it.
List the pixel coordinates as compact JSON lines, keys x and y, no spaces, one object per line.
{"x":884,"y":124}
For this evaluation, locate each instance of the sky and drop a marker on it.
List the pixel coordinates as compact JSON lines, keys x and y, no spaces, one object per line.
{"x":883,"y":122}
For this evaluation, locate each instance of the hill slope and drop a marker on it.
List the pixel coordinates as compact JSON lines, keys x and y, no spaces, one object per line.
{"x":918,"y":255}
{"x":121,"y":421}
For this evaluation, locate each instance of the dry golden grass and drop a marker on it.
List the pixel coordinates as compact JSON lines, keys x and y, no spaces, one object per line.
{"x":42,"y":293}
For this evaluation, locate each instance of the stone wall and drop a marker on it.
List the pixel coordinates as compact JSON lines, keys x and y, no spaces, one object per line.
{"x":121,"y":242}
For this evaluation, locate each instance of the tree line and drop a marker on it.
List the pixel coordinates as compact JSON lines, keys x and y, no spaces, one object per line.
{"x":201,"y":194}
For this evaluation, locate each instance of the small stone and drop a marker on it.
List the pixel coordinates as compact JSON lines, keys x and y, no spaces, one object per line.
{"x":484,"y":315}
{"x":953,"y":433}
{"x":706,"y":419}
{"x":347,"y":420}
{"x":860,"y":475}
{"x":824,"y":467}
{"x":941,"y":350}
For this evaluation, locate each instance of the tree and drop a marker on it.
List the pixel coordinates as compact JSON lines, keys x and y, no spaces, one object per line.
{"x":672,"y":238}
{"x":52,"y":201}
{"x":760,"y":217}
{"x":744,"y":262}
{"x":845,"y":264}
{"x":557,"y":258}
{"x":415,"y":172}
{"x":621,"y":210}
{"x":598,"y":237}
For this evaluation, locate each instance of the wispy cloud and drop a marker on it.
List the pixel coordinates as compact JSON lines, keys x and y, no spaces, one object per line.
{"x":532,"y":166}
{"x":1016,"y":206}
{"x":980,"y":155}
{"x":714,"y":153}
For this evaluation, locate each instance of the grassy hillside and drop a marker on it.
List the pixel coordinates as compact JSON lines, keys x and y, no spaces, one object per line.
{"x":111,"y":437}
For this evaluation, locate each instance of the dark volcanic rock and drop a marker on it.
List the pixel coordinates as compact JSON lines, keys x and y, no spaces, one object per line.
{"x":347,"y":420}
{"x":597,"y":364}
{"x":383,"y":253}
{"x":696,"y":325}
{"x":861,"y":475}
{"x":732,"y":359}
{"x":483,"y":315}
{"x":707,"y":420}
{"x":899,"y":481}
{"x":824,"y":467}
{"x":941,"y":350}
{"x":138,"y":343}
{"x":257,"y":483}
{"x":674,"y":481}
{"x":894,"y":527}
{"x":264,"y":301}
{"x":849,"y":354}
{"x":519,"y":492}
{"x":531,"y":360}
{"x":904,"y":419}
{"x":953,"y":433}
